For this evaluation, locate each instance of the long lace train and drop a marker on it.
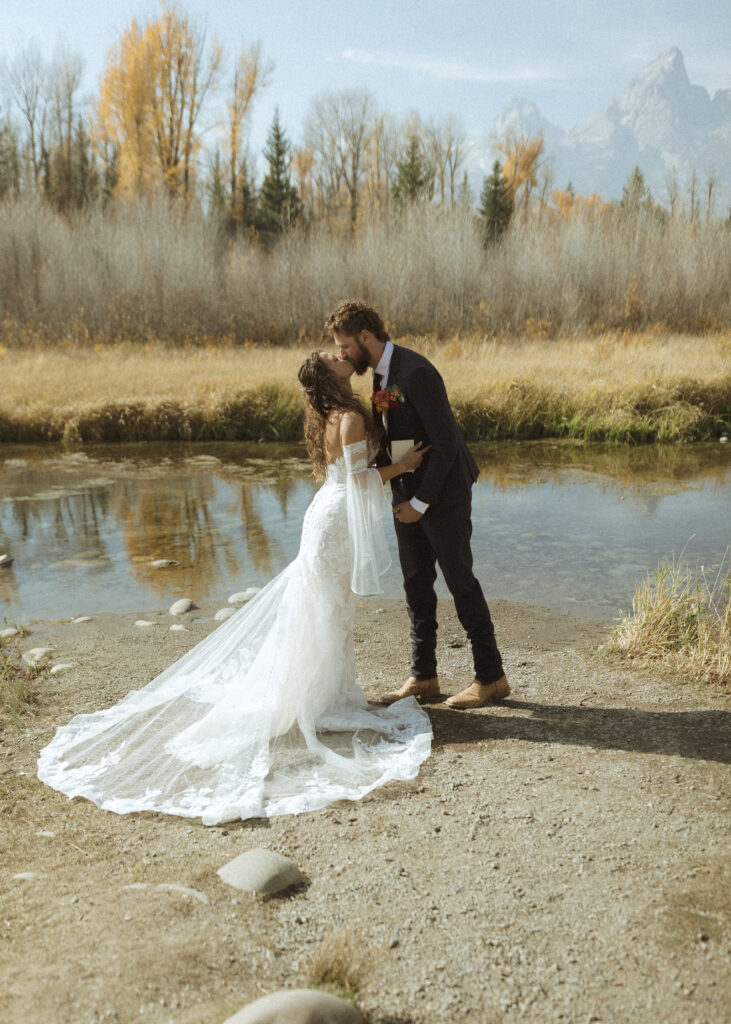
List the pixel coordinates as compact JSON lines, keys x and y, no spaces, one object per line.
{"x":263,"y":717}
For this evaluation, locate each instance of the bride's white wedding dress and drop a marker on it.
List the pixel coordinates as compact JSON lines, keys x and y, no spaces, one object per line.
{"x":264,"y":716}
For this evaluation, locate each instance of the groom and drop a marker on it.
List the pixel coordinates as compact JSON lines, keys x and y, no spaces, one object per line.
{"x":432,"y":506}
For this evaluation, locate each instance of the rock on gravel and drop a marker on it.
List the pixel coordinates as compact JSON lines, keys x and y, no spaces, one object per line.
{"x":182,"y":606}
{"x":80,"y":619}
{"x":224,"y":613}
{"x":5,"y":634}
{"x":178,"y":627}
{"x":25,"y":876}
{"x":262,"y":872}
{"x":297,"y":1006}
{"x":37,"y":656}
{"x":242,"y":596}
{"x":61,"y":667}
{"x":144,"y":623}
{"x":5,"y":561}
{"x":181,"y":890}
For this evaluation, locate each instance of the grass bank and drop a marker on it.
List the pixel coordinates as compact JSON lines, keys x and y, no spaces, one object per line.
{"x":618,"y":387}
{"x":682,"y":620}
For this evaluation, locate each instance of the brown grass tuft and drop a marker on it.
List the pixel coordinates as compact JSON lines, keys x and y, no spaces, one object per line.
{"x":680,"y":618}
{"x":341,"y":964}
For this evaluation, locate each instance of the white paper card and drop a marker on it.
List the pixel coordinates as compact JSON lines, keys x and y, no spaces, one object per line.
{"x":399,"y":449}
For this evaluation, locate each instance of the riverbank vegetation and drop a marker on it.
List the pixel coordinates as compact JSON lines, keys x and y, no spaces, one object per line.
{"x":144,"y":271}
{"x":616,"y":387}
{"x":680,"y":619}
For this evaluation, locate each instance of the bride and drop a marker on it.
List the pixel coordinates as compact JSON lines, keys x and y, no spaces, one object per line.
{"x":264,"y":716}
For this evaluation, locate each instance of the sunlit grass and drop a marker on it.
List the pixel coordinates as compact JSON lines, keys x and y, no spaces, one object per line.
{"x":621,"y":387}
{"x":680,"y":618}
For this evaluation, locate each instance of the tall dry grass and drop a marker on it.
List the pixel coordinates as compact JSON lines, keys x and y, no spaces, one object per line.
{"x":146,"y":271}
{"x":615,"y":387}
{"x":682,"y":619}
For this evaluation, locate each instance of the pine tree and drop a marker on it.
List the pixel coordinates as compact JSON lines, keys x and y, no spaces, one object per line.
{"x":279,"y":205}
{"x":84,"y":175}
{"x":217,"y":191}
{"x":414,"y":180}
{"x":465,"y":195}
{"x":9,"y":162}
{"x":496,"y":205}
{"x":636,"y":195}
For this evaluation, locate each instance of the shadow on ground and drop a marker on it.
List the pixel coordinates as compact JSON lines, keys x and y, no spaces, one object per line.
{"x":701,"y":735}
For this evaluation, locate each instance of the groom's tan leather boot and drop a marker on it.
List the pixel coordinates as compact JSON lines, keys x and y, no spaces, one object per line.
{"x":413,"y":687}
{"x":479,"y":694}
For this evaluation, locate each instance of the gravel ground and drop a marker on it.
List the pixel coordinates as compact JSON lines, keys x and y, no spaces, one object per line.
{"x":560,"y":857}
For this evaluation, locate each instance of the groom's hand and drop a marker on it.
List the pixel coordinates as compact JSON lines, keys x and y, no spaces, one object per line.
{"x":406,"y":513}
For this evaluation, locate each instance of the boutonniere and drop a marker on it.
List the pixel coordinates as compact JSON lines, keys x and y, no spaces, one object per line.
{"x":387,"y":398}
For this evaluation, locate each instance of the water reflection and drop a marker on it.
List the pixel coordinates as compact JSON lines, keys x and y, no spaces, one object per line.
{"x":570,"y":526}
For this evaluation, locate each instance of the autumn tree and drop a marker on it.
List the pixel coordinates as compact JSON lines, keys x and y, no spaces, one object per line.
{"x":250,"y":75}
{"x":445,"y":147}
{"x":338,"y":130}
{"x":521,"y":165}
{"x":26,"y":82}
{"x":496,"y":205}
{"x":153,"y":90}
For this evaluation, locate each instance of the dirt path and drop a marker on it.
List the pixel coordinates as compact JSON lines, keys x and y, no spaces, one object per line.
{"x":561,"y":857}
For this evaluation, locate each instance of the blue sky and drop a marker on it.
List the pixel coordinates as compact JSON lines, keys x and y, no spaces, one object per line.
{"x":435,"y":57}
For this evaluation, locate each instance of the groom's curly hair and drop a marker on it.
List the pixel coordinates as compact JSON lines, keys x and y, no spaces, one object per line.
{"x":325,"y":395}
{"x":352,"y":316}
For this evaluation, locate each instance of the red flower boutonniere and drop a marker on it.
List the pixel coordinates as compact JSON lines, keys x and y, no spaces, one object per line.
{"x":387,"y":398}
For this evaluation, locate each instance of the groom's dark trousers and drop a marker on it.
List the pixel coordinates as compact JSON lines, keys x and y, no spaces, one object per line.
{"x":442,"y":535}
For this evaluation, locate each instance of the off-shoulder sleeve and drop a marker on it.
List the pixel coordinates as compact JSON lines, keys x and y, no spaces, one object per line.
{"x":367,"y":506}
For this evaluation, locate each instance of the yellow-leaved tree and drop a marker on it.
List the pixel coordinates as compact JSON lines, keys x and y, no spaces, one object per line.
{"x":521,"y":165}
{"x":153,"y":88}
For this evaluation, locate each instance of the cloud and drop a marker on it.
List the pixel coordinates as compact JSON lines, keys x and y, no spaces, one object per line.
{"x":444,"y":69}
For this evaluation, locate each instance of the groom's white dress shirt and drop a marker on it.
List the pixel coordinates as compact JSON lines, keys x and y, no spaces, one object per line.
{"x":384,"y":365}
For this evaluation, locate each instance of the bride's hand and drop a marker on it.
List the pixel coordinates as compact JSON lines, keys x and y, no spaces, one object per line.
{"x":412,"y":458}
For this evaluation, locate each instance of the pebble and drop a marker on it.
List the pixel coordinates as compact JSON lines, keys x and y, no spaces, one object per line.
{"x":37,"y":655}
{"x":163,"y":563}
{"x":242,"y":596}
{"x":5,"y":634}
{"x":145,"y":622}
{"x":224,"y":613}
{"x":6,"y":560}
{"x":80,"y":619}
{"x":61,"y":668}
{"x":297,"y":1006}
{"x":182,"y":890}
{"x":262,"y":872}
{"x":178,"y":627}
{"x":25,"y":876}
{"x":182,"y":606}
{"x":46,"y":834}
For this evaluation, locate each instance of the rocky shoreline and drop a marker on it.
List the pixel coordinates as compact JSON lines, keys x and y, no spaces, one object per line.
{"x":560,"y":857}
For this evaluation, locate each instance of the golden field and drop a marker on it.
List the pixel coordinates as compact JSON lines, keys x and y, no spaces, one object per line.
{"x":617,"y":387}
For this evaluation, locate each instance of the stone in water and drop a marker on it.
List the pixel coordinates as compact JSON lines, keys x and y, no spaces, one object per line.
{"x":242,"y":596}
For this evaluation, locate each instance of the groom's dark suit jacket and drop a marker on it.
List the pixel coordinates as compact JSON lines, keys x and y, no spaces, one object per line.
{"x":448,"y":471}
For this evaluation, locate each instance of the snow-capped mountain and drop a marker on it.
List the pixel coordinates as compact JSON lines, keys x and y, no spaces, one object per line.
{"x":661,"y":122}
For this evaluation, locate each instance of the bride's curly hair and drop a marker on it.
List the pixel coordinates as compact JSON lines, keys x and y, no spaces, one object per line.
{"x":325,"y":394}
